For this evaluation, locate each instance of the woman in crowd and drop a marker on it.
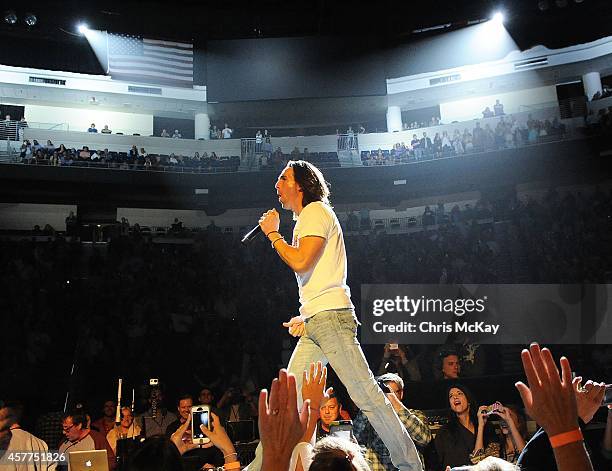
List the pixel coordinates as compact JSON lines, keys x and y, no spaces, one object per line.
{"x":466,"y":438}
{"x":514,"y":430}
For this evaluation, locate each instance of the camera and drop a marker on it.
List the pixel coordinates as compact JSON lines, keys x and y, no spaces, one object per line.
{"x":493,"y":408}
{"x":154,"y":382}
{"x":200,"y":415}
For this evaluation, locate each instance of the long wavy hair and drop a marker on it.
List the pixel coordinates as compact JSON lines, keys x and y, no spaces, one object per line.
{"x":311,"y":181}
{"x":453,"y":421}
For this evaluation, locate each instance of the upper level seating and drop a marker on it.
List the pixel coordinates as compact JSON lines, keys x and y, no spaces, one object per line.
{"x":228,"y":155}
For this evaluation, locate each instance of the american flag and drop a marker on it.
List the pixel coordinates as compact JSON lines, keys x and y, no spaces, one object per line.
{"x":137,"y":59}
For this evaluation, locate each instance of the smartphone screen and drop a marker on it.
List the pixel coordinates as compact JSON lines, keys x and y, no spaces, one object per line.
{"x":607,"y":396}
{"x":199,"y":418}
{"x":342,"y":429}
{"x":345,"y":434}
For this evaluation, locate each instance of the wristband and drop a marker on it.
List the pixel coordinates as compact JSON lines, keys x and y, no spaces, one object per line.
{"x":232,"y":465}
{"x":230,"y":454}
{"x":566,"y":438}
{"x":276,"y":240}
{"x":273,"y":232}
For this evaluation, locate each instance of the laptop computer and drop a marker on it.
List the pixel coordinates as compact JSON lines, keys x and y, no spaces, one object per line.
{"x":90,"y":460}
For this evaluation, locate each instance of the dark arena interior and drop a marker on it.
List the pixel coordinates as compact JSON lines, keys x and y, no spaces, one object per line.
{"x":467,"y":149}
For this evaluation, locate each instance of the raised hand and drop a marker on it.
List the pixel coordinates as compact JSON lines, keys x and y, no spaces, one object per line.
{"x":549,"y":399}
{"x":280,"y":424}
{"x":588,"y":397}
{"x":313,"y":385}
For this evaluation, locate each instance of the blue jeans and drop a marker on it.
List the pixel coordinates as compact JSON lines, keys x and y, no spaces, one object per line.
{"x":331,"y":336}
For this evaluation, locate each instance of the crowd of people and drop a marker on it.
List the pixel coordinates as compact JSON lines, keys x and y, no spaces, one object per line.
{"x":106,"y":307}
{"x":33,"y":153}
{"x":302,"y":433}
{"x":508,"y":134}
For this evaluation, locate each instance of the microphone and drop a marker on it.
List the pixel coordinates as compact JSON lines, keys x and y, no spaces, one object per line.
{"x":118,"y":412}
{"x":252,"y":234}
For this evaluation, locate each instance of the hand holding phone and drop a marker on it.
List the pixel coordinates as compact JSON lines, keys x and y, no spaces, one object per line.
{"x":200,"y":415}
{"x":342,"y":429}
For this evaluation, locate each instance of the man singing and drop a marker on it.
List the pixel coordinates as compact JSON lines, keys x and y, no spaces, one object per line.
{"x":327,"y":325}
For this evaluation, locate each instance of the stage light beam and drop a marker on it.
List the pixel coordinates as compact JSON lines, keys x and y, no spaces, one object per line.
{"x":82,"y":28}
{"x":498,"y":17}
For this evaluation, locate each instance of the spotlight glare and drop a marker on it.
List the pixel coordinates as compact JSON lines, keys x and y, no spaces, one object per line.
{"x":498,"y":17}
{"x":82,"y":28}
{"x":10,"y":17}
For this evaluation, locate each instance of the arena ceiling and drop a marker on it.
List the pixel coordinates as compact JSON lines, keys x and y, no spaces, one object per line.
{"x":387,"y":20}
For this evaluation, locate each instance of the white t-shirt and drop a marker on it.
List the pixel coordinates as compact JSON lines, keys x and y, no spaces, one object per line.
{"x":323,"y":287}
{"x":227,"y":133}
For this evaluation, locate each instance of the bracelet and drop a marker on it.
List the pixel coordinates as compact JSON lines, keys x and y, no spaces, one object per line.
{"x":562,"y":439}
{"x":230,"y":454}
{"x":272,"y":232}
{"x":232,"y":465}
{"x":276,"y":240}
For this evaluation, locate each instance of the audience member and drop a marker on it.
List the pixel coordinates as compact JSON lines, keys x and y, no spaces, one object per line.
{"x":498,"y":108}
{"x":107,"y":422}
{"x":487,"y":113}
{"x":415,"y":422}
{"x":556,"y":404}
{"x":235,"y":406}
{"x":227,"y":132}
{"x":79,"y":437}
{"x":466,"y":438}
{"x":157,"y":418}
{"x":514,"y":433}
{"x":330,"y":411}
{"x":164,"y":133}
{"x":92,"y":128}
{"x":448,"y":365}
{"x":105,"y":130}
{"x":399,"y":359}
{"x":127,"y":428}
{"x":183,"y":407}
{"x":176,"y":134}
{"x":15,"y":440}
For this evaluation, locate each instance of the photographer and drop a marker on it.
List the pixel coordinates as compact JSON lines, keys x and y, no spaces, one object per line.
{"x":235,"y":406}
{"x":219,"y":451}
{"x":399,"y":359}
{"x":514,"y":433}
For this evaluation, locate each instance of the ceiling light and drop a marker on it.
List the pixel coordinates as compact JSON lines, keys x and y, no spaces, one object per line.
{"x":30,"y":19}
{"x":10,"y":17}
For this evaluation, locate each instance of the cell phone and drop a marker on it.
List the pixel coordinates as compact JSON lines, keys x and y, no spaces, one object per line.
{"x":386,"y":389}
{"x":393,"y":346}
{"x":342,"y":429}
{"x":493,"y":408}
{"x":200,"y":415}
{"x":607,"y":400}
{"x":154,"y":382}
